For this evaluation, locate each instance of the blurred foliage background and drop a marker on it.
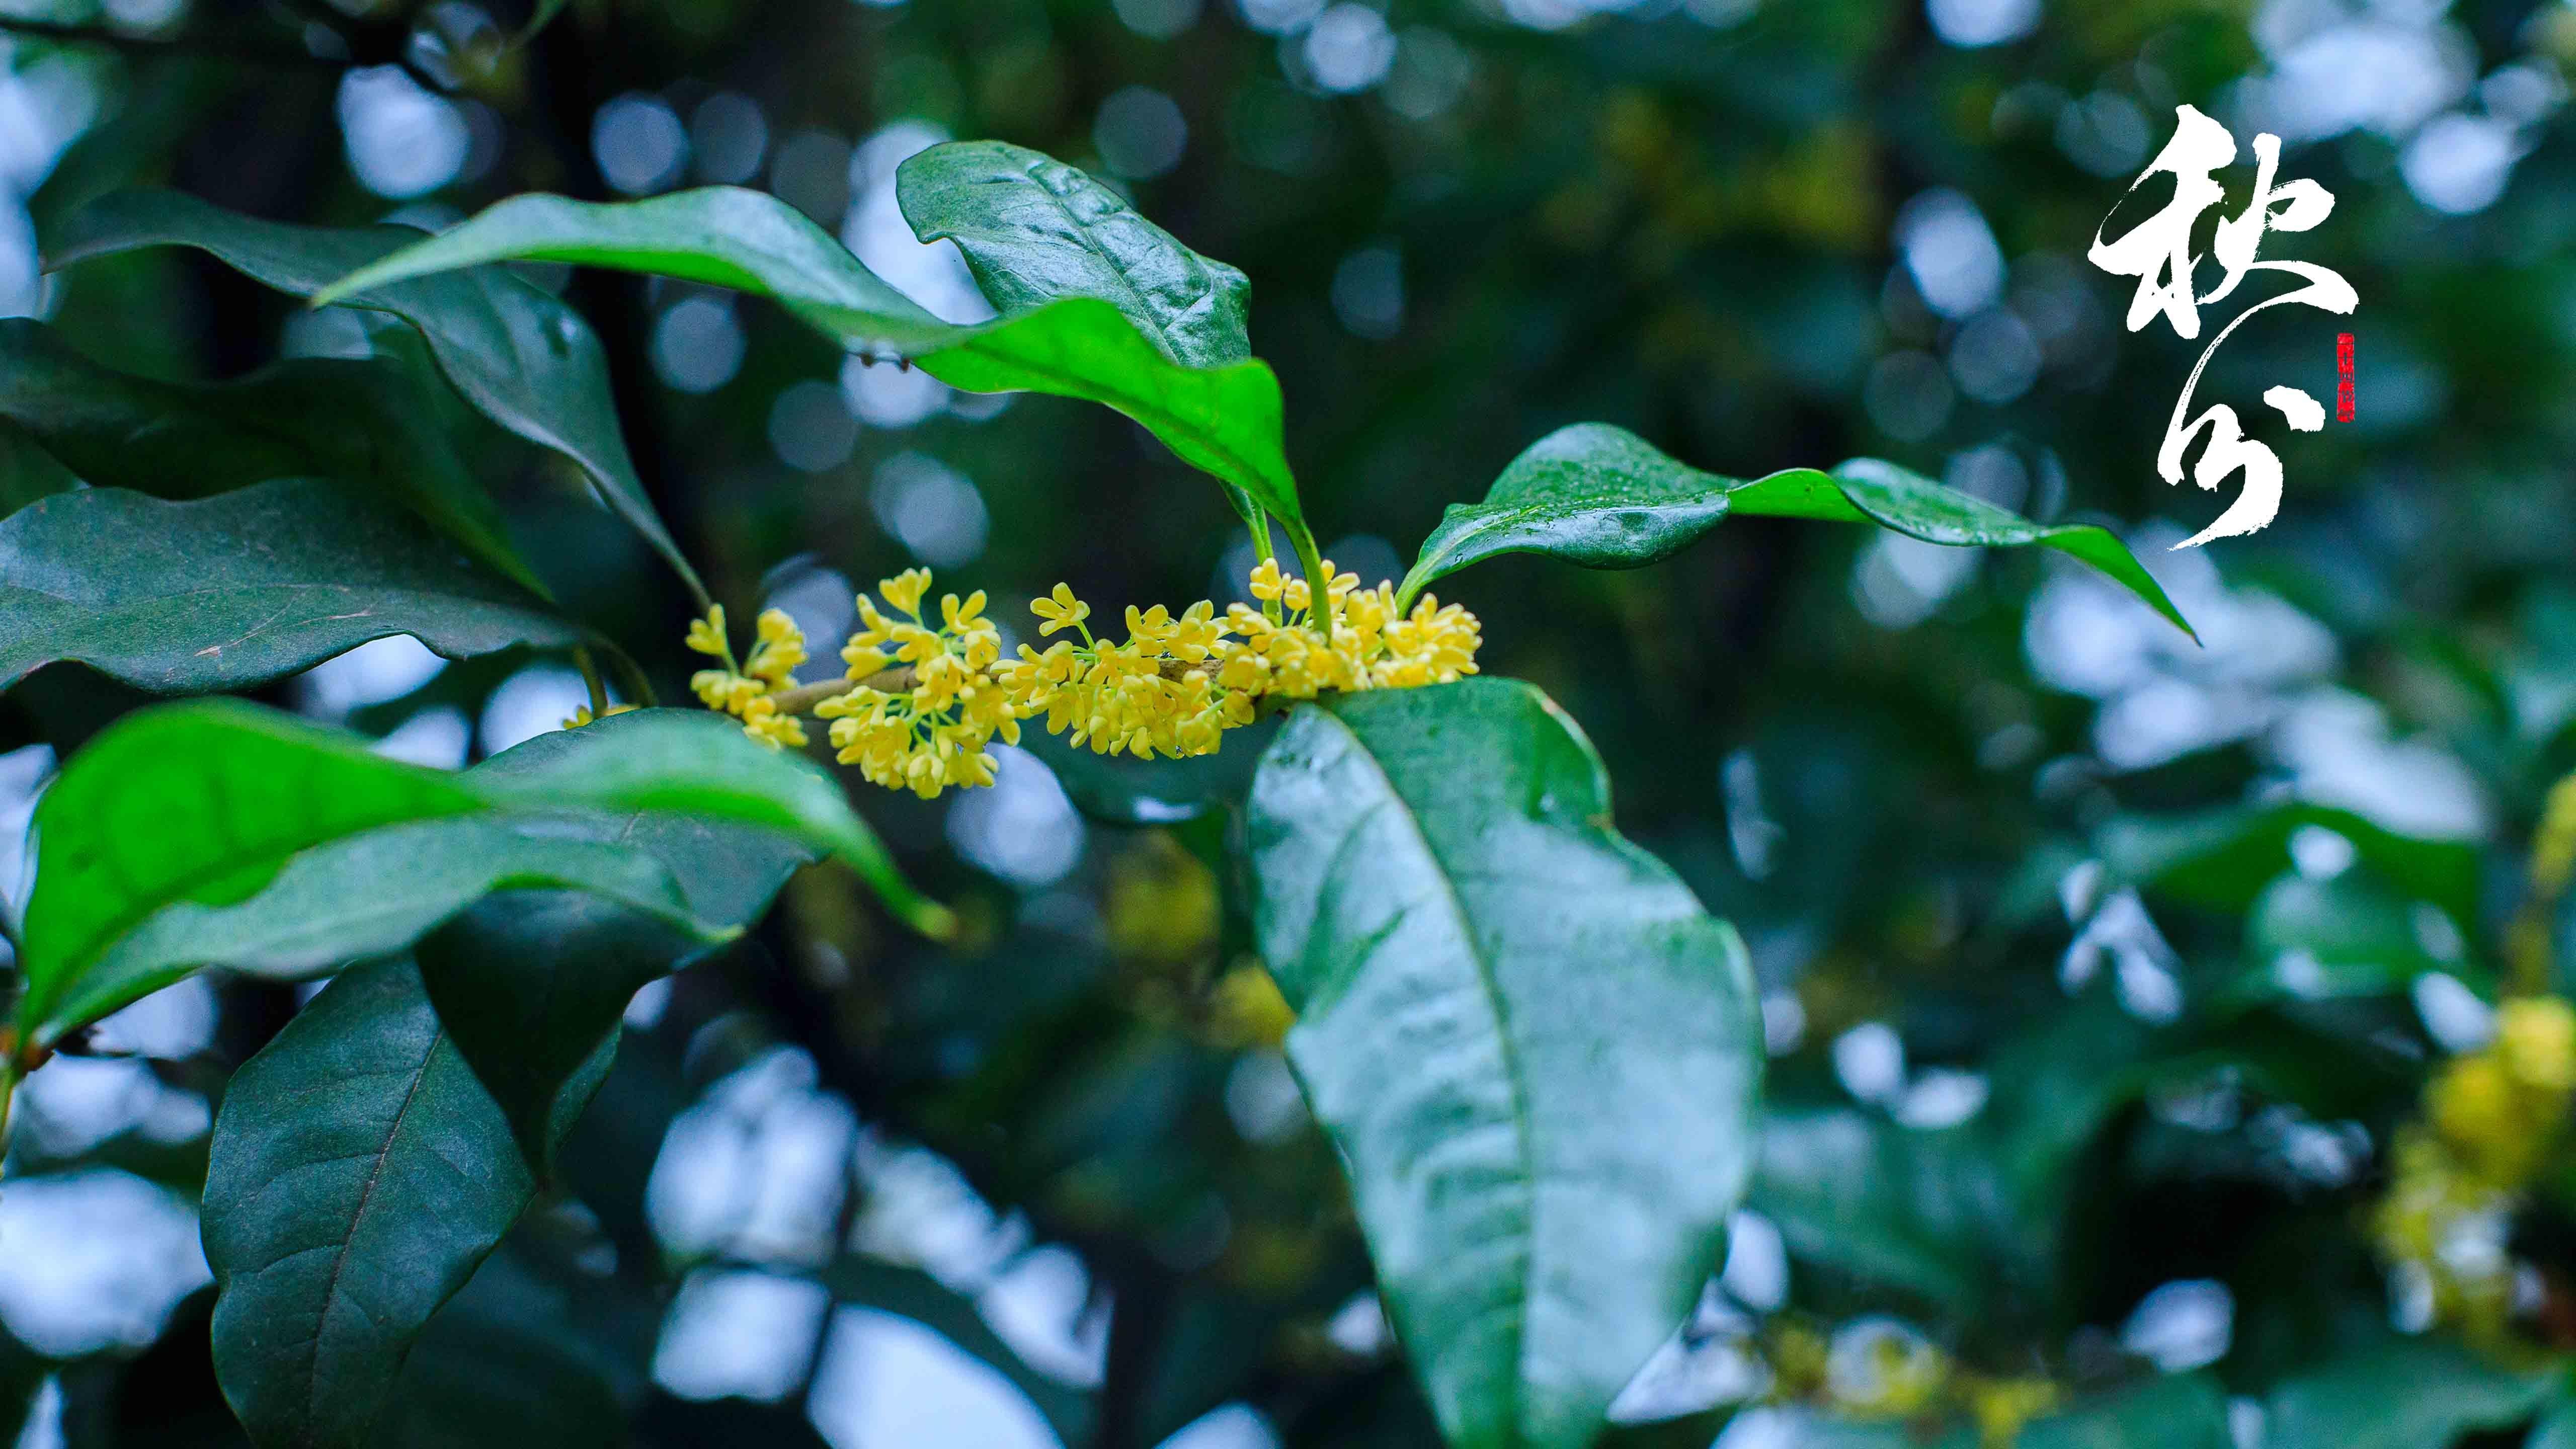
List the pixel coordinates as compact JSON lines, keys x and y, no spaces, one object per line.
{"x":2101,"y":970}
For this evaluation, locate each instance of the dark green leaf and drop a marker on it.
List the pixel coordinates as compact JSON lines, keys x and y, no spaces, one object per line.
{"x":366,"y":894}
{"x":2409,"y":1394}
{"x":240,"y":589}
{"x":504,"y":1362}
{"x":519,"y":355}
{"x":1224,"y":418}
{"x":1602,"y":497}
{"x":689,"y":762}
{"x":191,"y":808}
{"x":359,"y":1175}
{"x":27,"y":471}
{"x":364,"y":423}
{"x":1920,"y":1211}
{"x":2179,"y":1411}
{"x":1034,"y":231}
{"x":532,"y":985}
{"x":2313,"y":940}
{"x":2223,"y":859}
{"x":1539,"y":1057}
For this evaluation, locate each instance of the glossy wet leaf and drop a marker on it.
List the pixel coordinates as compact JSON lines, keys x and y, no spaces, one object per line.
{"x":202,"y":806}
{"x":365,"y":423}
{"x":1034,"y":230}
{"x":359,"y":1175}
{"x":1539,"y":1056}
{"x":1602,"y":497}
{"x":236,"y":590}
{"x":2408,"y":1394}
{"x":1224,"y":418}
{"x":521,"y":356}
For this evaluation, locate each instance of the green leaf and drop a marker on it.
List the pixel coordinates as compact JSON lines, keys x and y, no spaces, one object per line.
{"x":1225,"y":419}
{"x":2312,"y":940}
{"x":197,"y":807}
{"x":1602,"y":497}
{"x":1034,"y":230}
{"x":532,"y":986}
{"x":694,"y":763}
{"x":1538,"y":1055}
{"x":520,"y":356}
{"x":236,"y":590}
{"x":27,"y":471}
{"x":359,"y":1173}
{"x":2408,"y":1394}
{"x":366,"y":423}
{"x":506,"y":1361}
{"x":2177,"y":1411}
{"x":2222,"y":859}
{"x":1920,"y":1211}
{"x":369,"y":894}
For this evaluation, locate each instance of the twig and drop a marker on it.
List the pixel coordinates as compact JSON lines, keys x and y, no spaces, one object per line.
{"x":803,"y":698}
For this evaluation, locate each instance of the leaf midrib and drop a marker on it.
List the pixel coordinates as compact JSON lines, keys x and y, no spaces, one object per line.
{"x":366,"y":1194}
{"x":1513,"y":1074}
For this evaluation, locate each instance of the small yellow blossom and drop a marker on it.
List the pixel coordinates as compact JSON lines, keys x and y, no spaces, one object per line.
{"x":707,"y":635}
{"x":778,"y":647}
{"x":905,"y":589}
{"x":583,"y":716}
{"x":1060,"y":610}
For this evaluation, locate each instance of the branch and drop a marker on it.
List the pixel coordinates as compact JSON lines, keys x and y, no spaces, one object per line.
{"x":803,"y":698}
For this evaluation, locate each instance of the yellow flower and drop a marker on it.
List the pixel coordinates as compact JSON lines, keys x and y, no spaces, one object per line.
{"x":583,"y":716}
{"x":781,"y":648}
{"x":1172,"y":687}
{"x":2536,"y":1037}
{"x":1266,"y":582}
{"x":1060,"y":610}
{"x":707,"y":635}
{"x":762,"y":721}
{"x":905,"y":589}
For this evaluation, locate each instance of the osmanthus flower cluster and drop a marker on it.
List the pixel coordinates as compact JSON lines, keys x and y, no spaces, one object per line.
{"x":920,"y":700}
{"x":2490,"y":1119}
{"x":750,"y":691}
